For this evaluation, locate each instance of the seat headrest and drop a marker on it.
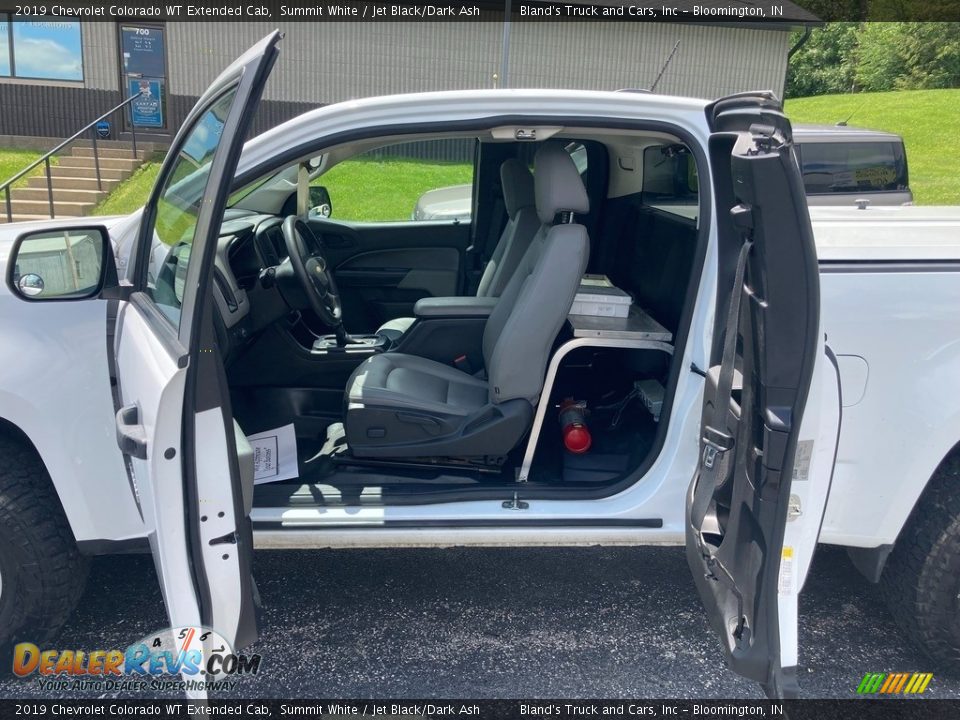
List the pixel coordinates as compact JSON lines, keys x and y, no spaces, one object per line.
{"x":517,"y":184}
{"x":557,"y":183}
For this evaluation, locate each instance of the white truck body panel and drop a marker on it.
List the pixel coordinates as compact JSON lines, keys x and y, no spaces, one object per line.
{"x":890,"y":290}
{"x":55,"y":387}
{"x":154,"y":381}
{"x":885,"y":234}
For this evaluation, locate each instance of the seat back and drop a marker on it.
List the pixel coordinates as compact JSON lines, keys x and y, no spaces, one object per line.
{"x":522,"y":225}
{"x":535,"y":302}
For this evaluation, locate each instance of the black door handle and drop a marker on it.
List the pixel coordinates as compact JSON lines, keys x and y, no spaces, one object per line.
{"x":131,"y":436}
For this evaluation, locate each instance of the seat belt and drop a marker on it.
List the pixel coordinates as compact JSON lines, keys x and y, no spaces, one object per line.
{"x":495,"y":229}
{"x":479,"y":257}
{"x":716,"y":441}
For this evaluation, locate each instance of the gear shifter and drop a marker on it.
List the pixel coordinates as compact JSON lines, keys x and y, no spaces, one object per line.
{"x":343,"y":339}
{"x":342,"y":342}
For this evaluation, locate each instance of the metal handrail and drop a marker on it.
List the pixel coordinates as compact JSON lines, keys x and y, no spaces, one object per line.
{"x":5,"y":186}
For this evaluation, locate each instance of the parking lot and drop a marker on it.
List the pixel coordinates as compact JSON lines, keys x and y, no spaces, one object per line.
{"x":501,"y":623}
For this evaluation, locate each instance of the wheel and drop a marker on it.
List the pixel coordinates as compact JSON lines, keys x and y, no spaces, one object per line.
{"x":922,"y":576}
{"x":41,"y":571}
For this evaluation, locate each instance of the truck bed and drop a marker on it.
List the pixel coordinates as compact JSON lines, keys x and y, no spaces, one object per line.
{"x":890,"y":308}
{"x":907,"y":233}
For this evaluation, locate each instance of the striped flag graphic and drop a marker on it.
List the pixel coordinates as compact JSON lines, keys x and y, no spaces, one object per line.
{"x":894,"y":683}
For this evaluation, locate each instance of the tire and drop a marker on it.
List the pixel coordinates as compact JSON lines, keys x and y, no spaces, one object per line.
{"x":922,"y":576}
{"x":42,"y":573}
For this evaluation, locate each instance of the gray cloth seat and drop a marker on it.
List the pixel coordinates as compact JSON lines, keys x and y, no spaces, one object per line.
{"x":399,"y":405}
{"x":407,"y":381}
{"x":522,"y":224}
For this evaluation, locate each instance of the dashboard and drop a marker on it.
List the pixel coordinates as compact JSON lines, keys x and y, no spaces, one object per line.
{"x":246,"y":301}
{"x":252,"y":245}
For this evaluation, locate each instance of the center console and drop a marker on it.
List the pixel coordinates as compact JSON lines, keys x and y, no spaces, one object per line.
{"x":448,"y":329}
{"x":454,"y":307}
{"x":444,"y":329}
{"x":356,"y":344}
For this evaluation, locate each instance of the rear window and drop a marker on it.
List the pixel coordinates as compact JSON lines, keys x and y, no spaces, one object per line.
{"x":840,"y":167}
{"x":670,"y":180}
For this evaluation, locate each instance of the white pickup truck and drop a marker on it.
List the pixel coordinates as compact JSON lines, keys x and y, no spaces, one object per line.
{"x":208,"y":376}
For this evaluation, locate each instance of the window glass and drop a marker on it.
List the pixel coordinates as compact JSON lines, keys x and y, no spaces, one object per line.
{"x":423,"y":180}
{"x":48,"y":50}
{"x":670,"y":180}
{"x":4,"y":45}
{"x":178,"y":207}
{"x":579,"y":155}
{"x":852,"y":167}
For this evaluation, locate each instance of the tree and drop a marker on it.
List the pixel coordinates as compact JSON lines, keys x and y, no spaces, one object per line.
{"x":826,"y":63}
{"x":908,"y":56}
{"x":879,"y":62}
{"x":833,"y":10}
{"x":846,"y":57}
{"x":931,"y":55}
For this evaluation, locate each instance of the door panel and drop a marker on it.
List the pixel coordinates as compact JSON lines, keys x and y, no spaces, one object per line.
{"x":175,"y":425}
{"x":770,"y":417}
{"x":382,"y":269}
{"x":151,"y":381}
{"x":809,"y":489}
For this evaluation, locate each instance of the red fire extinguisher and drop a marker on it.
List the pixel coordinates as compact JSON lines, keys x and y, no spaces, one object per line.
{"x":573,"y":426}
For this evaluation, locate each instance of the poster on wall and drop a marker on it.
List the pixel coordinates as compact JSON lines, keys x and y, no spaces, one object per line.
{"x":144,"y":51}
{"x":146,"y":110}
{"x":144,"y":60}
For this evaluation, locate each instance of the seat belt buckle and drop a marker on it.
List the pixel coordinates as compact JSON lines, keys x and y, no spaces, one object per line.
{"x":715,"y":442}
{"x":462,"y":363}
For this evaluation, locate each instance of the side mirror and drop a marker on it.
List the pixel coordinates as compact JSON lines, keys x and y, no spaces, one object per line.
{"x":320,"y":205}
{"x":72,"y":263}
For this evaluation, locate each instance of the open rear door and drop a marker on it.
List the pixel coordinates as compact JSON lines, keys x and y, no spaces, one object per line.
{"x":771,"y":406}
{"x":188,"y":470}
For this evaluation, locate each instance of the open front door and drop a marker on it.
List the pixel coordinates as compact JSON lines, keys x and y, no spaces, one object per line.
{"x":188,"y":469}
{"x":771,"y":407}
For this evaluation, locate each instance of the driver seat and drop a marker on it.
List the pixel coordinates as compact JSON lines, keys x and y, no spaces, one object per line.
{"x":522,"y":224}
{"x":403,"y":406}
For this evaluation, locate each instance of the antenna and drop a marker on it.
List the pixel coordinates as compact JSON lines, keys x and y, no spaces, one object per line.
{"x":665,"y":66}
{"x":843,"y":123}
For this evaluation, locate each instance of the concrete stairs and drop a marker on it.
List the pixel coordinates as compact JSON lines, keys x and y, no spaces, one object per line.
{"x":74,"y":182}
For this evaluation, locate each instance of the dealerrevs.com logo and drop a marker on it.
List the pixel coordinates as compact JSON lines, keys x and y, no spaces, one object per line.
{"x":177,"y":659}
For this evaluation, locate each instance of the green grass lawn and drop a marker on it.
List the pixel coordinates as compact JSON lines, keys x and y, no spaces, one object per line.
{"x":132,"y":193}
{"x":367,"y":190}
{"x":13,"y":161}
{"x":928,"y":120}
{"x":374,"y":190}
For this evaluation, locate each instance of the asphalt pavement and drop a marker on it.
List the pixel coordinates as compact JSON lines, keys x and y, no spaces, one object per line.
{"x":501,"y":623}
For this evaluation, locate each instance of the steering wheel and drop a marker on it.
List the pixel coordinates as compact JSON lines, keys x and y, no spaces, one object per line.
{"x":310,"y":266}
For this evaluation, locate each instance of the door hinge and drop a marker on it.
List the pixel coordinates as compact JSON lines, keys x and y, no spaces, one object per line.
{"x":793,"y":508}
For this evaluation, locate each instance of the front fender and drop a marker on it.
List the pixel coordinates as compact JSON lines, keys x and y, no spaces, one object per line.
{"x":55,"y":387}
